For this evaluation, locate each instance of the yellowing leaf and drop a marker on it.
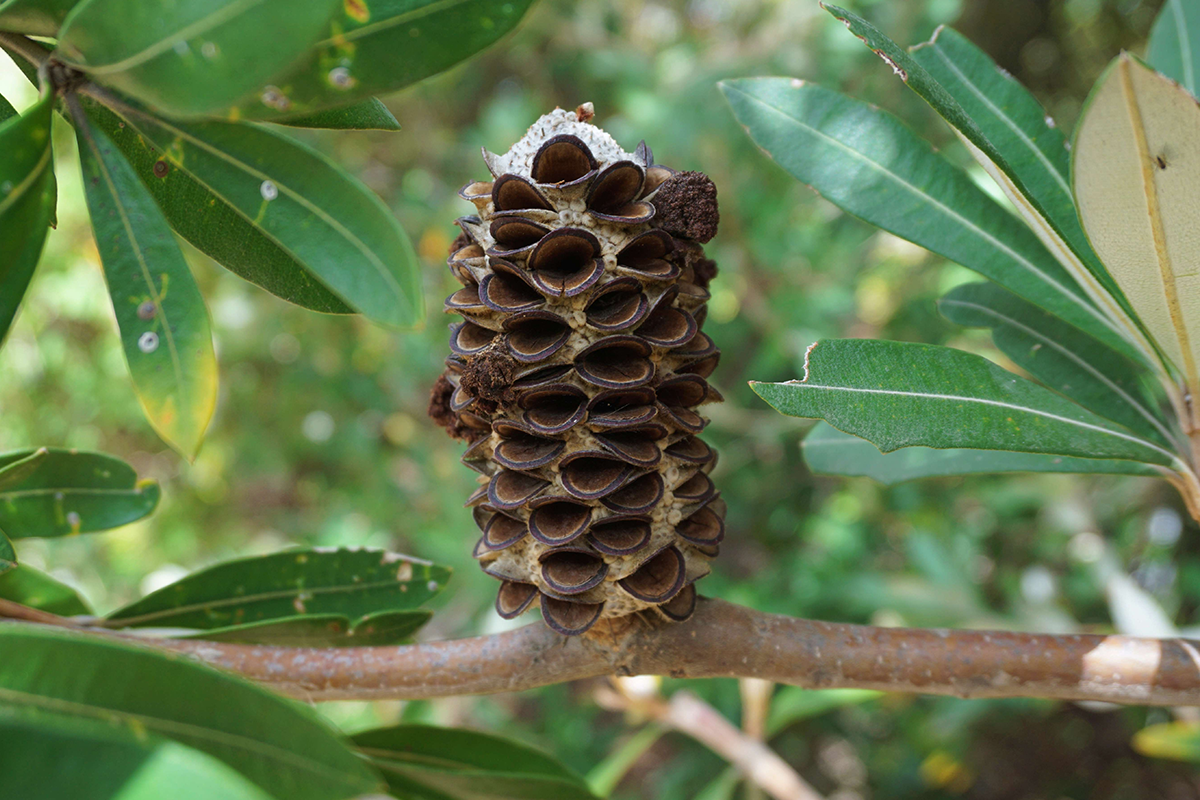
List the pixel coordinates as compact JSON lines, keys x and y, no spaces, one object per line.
{"x":1137,"y":185}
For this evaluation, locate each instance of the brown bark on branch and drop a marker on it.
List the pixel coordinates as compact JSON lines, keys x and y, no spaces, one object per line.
{"x":725,"y":640}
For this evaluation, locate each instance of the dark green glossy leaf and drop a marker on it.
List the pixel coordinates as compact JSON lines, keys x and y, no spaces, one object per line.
{"x":67,"y":492}
{"x":828,"y":451}
{"x":160,"y":312}
{"x":373,"y":47}
{"x":1064,"y":358}
{"x":34,"y":17}
{"x":348,"y":239}
{"x":868,"y":163}
{"x":350,"y":583}
{"x":6,"y":109}
{"x":8,"y":556}
{"x":1174,"y":47}
{"x":47,"y":758}
{"x":29,"y":587}
{"x":1010,"y":135}
{"x":323,"y":630}
{"x":27,"y":195}
{"x":369,"y":115}
{"x":897,"y":394}
{"x":430,"y":763}
{"x":280,"y":745}
{"x":213,"y":226}
{"x":190,"y":57}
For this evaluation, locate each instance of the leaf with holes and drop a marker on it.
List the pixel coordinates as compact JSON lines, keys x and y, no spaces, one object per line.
{"x":1136,"y":170}
{"x":869,"y":164}
{"x":54,"y":492}
{"x":450,"y":764}
{"x":282,"y":746}
{"x":27,"y":197}
{"x":323,"y":630}
{"x":314,"y":581}
{"x":190,"y":57}
{"x":29,"y":587}
{"x":1174,"y":46}
{"x":828,"y":451}
{"x":373,"y":47}
{"x":897,"y":394}
{"x":346,"y":238}
{"x":160,"y":312}
{"x":1062,"y":357}
{"x":213,"y":226}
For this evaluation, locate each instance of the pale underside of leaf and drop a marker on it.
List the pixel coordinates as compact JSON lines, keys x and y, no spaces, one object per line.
{"x":1137,"y":180}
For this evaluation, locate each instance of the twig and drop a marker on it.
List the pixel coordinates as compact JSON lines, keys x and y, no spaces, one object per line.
{"x":724,"y":640}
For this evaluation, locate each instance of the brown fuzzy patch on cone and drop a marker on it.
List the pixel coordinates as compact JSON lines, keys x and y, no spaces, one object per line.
{"x":687,"y":206}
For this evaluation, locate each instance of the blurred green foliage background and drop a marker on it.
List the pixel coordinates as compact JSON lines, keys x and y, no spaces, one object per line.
{"x":321,"y":435}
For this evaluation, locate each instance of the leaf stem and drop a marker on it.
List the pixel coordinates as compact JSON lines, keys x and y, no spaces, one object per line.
{"x":33,"y":52}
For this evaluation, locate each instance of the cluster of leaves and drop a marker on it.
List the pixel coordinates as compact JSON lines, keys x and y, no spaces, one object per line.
{"x":1090,"y":293}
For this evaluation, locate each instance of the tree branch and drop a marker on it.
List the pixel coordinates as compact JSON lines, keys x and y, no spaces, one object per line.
{"x":724,"y":640}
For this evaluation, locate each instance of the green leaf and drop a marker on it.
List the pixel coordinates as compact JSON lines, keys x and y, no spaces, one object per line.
{"x":373,"y":47}
{"x":1174,"y":47}
{"x":369,"y":115}
{"x":828,"y":451}
{"x":606,"y":775}
{"x":66,"y":492}
{"x":897,"y":394}
{"x":1008,"y":133}
{"x":190,"y":57}
{"x":29,"y":587}
{"x":7,"y":111}
{"x":8,"y":555}
{"x":27,"y":196}
{"x":44,"y":759}
{"x":282,"y":746}
{"x":347,"y":238}
{"x":160,"y":312}
{"x":869,"y":164}
{"x":1067,"y":360}
{"x":426,"y":762}
{"x":35,"y":17}
{"x":1175,"y":740}
{"x":791,"y":704}
{"x":323,"y":630}
{"x":1137,"y":182}
{"x":213,"y":226}
{"x":350,"y":583}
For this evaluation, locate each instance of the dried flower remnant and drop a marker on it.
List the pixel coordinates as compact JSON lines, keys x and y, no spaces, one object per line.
{"x":576,"y":373}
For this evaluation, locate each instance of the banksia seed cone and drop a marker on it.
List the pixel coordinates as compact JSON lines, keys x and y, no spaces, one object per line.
{"x":576,"y":374}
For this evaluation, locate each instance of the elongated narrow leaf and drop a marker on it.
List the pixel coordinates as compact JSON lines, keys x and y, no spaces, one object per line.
{"x":897,"y":394}
{"x":44,"y":758}
{"x":323,"y":630}
{"x":35,"y":17}
{"x":350,"y":583}
{"x":369,"y":115}
{"x":27,"y":195}
{"x":1064,"y":358}
{"x":1174,"y":47}
{"x":160,"y":312}
{"x":828,"y":451}
{"x":6,"y":109}
{"x":66,"y":492}
{"x":1136,"y":169}
{"x":869,"y":164}
{"x":1009,"y":134}
{"x":213,"y":226}
{"x":190,"y":57}
{"x":426,"y":761}
{"x":8,"y":555}
{"x":373,"y":47}
{"x":29,"y":587}
{"x":281,"y":746}
{"x":343,"y":234}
